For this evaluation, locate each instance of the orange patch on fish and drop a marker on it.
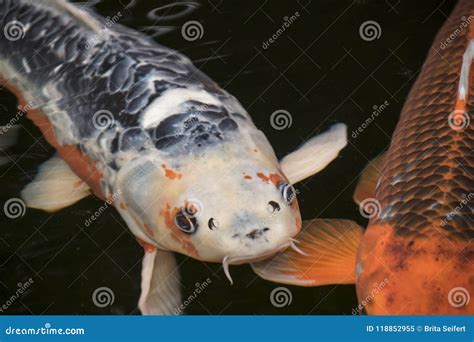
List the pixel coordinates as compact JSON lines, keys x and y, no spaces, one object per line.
{"x":171,"y":174}
{"x":413,"y":276}
{"x":274,"y":178}
{"x":148,"y":247}
{"x":247,"y":177}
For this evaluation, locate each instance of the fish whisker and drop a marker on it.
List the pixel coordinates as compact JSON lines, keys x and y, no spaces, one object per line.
{"x":225,"y":266}
{"x":293,"y":246}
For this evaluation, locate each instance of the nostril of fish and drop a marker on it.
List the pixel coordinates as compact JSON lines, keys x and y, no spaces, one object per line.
{"x":256,"y":233}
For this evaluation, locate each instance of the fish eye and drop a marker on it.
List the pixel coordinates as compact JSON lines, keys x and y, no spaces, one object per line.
{"x":186,"y":223}
{"x":213,"y":223}
{"x":273,"y":206}
{"x":287,"y":191}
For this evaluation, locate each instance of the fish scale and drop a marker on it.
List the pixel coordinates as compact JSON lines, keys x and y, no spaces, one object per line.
{"x":440,"y":159}
{"x":122,"y":75}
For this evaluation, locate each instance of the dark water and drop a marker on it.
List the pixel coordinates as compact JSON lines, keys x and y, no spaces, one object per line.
{"x":319,"y":70}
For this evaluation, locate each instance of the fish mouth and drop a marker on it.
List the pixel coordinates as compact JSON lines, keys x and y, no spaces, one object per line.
{"x":229,"y":260}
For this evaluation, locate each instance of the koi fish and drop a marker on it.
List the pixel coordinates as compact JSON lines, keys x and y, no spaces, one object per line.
{"x":135,"y":123}
{"x":416,"y":255}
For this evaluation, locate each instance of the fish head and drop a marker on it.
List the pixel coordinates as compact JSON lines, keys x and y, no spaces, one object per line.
{"x":230,"y":203}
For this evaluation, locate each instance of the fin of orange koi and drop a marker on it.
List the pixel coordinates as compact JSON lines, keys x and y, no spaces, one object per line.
{"x":368,"y":179}
{"x":160,"y":284}
{"x":55,"y":187}
{"x":330,"y":247}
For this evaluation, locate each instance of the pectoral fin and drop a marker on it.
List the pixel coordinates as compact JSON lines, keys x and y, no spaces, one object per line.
{"x":55,"y":187}
{"x":315,"y":154}
{"x":161,"y":293}
{"x":368,"y":179}
{"x":330,"y":248}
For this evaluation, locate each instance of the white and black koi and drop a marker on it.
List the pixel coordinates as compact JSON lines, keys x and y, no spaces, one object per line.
{"x":135,"y":121}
